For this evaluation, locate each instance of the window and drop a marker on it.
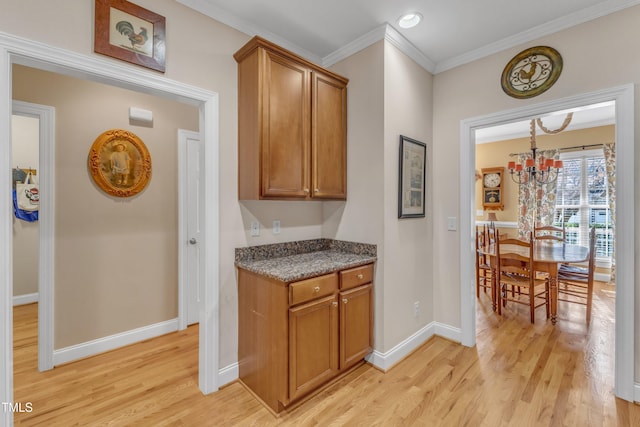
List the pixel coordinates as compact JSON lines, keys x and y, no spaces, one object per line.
{"x":582,"y":201}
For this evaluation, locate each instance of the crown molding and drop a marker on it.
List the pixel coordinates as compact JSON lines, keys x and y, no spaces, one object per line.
{"x":383,"y":32}
{"x":247,"y":27}
{"x":387,"y":32}
{"x":597,"y":11}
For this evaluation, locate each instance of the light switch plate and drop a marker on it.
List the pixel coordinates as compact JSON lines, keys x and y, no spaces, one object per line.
{"x":276,"y":226}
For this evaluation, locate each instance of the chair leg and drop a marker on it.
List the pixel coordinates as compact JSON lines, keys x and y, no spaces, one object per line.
{"x":532,"y":303}
{"x":546,"y":298}
{"x":589,"y":301}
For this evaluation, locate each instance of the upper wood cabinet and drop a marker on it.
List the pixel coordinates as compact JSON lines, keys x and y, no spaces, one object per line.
{"x":292,"y":126}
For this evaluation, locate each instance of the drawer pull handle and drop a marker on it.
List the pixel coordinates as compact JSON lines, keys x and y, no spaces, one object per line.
{"x":344,"y":300}
{"x":360,"y":276}
{"x":316,"y":289}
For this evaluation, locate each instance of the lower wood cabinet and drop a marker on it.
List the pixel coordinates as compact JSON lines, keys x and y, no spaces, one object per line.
{"x":296,"y":337}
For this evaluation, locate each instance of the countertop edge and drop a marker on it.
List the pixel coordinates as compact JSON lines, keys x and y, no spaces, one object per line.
{"x":306,"y":274}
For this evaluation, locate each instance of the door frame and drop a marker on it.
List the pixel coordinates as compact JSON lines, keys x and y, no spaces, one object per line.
{"x":46,"y":220}
{"x":183,"y":221}
{"x":18,"y":50}
{"x":625,"y":217}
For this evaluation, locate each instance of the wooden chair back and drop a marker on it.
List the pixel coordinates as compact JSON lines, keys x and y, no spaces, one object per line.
{"x":577,"y":282}
{"x":492,"y":234}
{"x":482,"y":265}
{"x":549,"y":232}
{"x":514,"y":262}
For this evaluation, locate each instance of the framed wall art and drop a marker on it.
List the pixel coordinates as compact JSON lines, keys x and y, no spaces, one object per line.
{"x":411,"y":180}
{"x":120,"y":163}
{"x":128,"y":32}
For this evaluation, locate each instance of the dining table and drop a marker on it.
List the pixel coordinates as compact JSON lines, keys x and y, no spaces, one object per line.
{"x":547,"y":257}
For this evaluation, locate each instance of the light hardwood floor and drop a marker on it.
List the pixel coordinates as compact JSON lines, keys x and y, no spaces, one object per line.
{"x":518,"y":374}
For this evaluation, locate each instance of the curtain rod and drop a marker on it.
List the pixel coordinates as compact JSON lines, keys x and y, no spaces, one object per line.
{"x":568,"y":148}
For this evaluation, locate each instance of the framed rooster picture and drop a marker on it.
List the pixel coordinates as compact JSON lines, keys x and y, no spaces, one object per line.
{"x":128,"y":32}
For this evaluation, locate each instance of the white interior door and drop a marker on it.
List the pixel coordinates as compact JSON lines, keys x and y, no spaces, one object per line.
{"x":192,"y":210}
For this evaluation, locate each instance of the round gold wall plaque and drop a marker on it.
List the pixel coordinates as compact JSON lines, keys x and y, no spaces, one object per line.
{"x":120,"y":163}
{"x":531,"y":72}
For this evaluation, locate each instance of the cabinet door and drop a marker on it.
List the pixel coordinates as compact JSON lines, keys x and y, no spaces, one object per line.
{"x":356,"y":325}
{"x":285,"y":128}
{"x":313,"y":345}
{"x":329,"y":137}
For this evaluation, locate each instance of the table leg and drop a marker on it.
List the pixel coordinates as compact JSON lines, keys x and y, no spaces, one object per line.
{"x":553,"y":297}
{"x":494,"y":288}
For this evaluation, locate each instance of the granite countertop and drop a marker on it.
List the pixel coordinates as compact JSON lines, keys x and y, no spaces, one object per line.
{"x":293,"y":261}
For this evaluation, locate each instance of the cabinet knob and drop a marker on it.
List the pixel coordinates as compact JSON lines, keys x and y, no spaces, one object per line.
{"x":335,"y":304}
{"x":316,"y":289}
{"x":344,"y":300}
{"x":306,"y":191}
{"x":316,"y":190}
{"x":360,"y":276}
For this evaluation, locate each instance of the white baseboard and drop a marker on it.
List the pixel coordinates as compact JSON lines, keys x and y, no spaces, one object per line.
{"x":384,"y":361}
{"x":25,"y":299}
{"x":91,"y":348}
{"x":636,"y":392}
{"x":228,"y":374}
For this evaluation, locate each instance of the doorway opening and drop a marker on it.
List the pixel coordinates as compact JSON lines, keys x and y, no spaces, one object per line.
{"x":40,"y":56}
{"x":624,"y":131}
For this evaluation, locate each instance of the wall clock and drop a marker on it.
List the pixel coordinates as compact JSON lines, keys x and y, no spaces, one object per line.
{"x":492,"y":188}
{"x":531,"y":72}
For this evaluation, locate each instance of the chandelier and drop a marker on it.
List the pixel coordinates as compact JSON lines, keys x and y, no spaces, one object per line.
{"x":540,"y":170}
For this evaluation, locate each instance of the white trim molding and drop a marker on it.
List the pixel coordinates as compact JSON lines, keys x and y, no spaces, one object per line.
{"x":46,"y":116}
{"x":625,"y":218}
{"x":18,"y":50}
{"x":228,"y":374}
{"x":385,"y":361}
{"x":25,"y":299}
{"x":97,"y":346}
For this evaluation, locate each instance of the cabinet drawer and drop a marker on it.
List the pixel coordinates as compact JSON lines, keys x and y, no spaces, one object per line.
{"x":307,"y":290}
{"x":356,"y":276}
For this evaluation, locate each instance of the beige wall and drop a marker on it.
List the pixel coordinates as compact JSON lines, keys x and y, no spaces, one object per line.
{"x":116,"y":262}
{"x":408,"y":243}
{"x":474,"y":90}
{"x":496,"y":154}
{"x":199,"y":53}
{"x":361,"y":219}
{"x":389,"y":95}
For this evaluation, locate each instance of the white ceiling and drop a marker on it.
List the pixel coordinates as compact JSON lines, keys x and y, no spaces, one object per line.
{"x":452,"y":33}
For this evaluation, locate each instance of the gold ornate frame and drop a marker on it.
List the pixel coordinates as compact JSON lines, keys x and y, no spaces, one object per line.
{"x":120,"y":175}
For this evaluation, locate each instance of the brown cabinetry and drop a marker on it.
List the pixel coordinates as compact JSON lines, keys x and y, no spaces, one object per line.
{"x":296,"y":337}
{"x":292,"y":126}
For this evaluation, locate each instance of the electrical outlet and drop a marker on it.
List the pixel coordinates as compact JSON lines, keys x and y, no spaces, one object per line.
{"x":255,"y":228}
{"x":416,"y":309}
{"x":276,"y":226}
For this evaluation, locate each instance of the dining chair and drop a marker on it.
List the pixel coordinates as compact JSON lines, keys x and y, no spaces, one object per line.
{"x":549,"y":232}
{"x":575,"y":283}
{"x":516,"y":277}
{"x":483,"y":269}
{"x":492,"y":234}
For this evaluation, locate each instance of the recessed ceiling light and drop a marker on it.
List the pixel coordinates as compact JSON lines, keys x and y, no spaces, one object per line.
{"x":409,"y":20}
